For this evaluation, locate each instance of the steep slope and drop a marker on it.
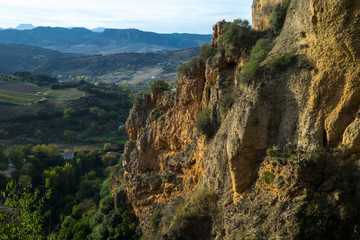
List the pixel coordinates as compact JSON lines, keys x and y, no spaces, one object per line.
{"x":306,"y":187}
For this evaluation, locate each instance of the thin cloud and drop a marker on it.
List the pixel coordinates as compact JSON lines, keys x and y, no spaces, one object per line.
{"x":160,"y":16}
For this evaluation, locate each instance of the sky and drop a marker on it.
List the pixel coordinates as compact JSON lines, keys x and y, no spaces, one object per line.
{"x":162,"y":16}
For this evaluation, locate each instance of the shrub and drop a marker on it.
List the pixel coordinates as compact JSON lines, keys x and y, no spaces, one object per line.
{"x":250,"y":71}
{"x":185,"y":68}
{"x":155,"y":219}
{"x":158,"y":86}
{"x":139,"y":99}
{"x":204,"y":123}
{"x":268,"y":177}
{"x":227,"y":101}
{"x":206,"y":51}
{"x":258,"y":54}
{"x":278,"y":16}
{"x":260,"y":50}
{"x":236,"y":37}
{"x":281,"y":62}
{"x":192,"y":218}
{"x":161,"y":118}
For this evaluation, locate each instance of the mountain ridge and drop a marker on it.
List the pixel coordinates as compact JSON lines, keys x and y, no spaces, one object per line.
{"x":84,"y":41}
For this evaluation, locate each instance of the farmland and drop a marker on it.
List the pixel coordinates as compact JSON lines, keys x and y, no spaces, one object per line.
{"x":82,"y":114}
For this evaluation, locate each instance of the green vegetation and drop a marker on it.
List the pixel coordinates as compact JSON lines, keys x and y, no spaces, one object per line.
{"x":250,"y":71}
{"x":278,"y":16}
{"x":80,"y":200}
{"x":280,"y":63}
{"x":72,"y":111}
{"x":207,"y":51}
{"x":268,"y":177}
{"x":132,"y":70}
{"x":21,"y":213}
{"x":158,"y":86}
{"x":236,"y":37}
{"x":185,"y":68}
{"x":227,"y":101}
{"x":155,"y":219}
{"x":204,"y":123}
{"x":258,"y":54}
{"x":200,"y":210}
{"x":65,"y":94}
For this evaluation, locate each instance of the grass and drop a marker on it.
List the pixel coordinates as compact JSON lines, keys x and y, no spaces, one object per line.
{"x":65,"y":94}
{"x":21,"y":87}
{"x":20,"y":93}
{"x":19,"y":98}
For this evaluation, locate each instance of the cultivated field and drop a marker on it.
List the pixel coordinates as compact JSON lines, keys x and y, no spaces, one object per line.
{"x":21,"y":93}
{"x":64,"y":94}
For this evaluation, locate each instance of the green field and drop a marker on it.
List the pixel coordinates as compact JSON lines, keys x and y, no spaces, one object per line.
{"x":24,"y":93}
{"x":21,"y":93}
{"x":64,"y":94}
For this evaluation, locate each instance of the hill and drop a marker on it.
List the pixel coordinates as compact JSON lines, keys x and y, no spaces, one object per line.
{"x":84,"y":41}
{"x":119,"y":67}
{"x":17,"y":57}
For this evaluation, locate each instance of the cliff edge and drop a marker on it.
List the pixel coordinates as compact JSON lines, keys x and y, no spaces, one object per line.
{"x":281,"y":160}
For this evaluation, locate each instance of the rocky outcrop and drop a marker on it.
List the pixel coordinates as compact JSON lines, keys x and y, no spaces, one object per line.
{"x":217,"y":28}
{"x":310,"y":108}
{"x":261,"y":13}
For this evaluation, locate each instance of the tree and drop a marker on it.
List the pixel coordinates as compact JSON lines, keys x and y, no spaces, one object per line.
{"x":236,"y":37}
{"x":158,"y":86}
{"x":20,"y":216}
{"x":278,"y":16}
{"x":15,"y":157}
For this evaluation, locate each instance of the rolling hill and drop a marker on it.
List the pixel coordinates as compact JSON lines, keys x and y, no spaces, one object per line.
{"x":17,"y":57}
{"x":131,"y":67}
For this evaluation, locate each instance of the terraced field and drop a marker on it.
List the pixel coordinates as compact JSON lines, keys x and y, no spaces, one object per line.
{"x":21,"y":93}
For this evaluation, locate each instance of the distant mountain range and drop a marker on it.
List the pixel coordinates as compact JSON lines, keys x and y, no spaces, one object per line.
{"x":100,"y":40}
{"x":25,"y":26}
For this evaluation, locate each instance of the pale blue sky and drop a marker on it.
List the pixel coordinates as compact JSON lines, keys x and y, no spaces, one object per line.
{"x":163,"y":16}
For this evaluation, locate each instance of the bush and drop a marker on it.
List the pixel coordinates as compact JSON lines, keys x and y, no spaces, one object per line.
{"x":278,"y":16}
{"x":268,"y":177}
{"x":185,"y":68}
{"x":206,"y":51}
{"x":204,"y":123}
{"x":138,"y":100}
{"x":227,"y":101}
{"x":155,"y":219}
{"x":258,"y":54}
{"x":192,"y":218}
{"x":236,"y":37}
{"x":260,"y":50}
{"x":281,"y":62}
{"x":250,"y":71}
{"x":158,"y":86}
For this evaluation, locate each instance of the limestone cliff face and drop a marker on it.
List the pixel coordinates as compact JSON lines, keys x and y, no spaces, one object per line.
{"x":312,"y":106}
{"x":261,"y":13}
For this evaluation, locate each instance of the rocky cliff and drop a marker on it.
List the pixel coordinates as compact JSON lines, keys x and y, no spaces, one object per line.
{"x":283,"y":159}
{"x":261,"y":13}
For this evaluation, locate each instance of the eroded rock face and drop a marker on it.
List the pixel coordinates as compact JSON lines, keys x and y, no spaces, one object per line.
{"x":217,"y":28}
{"x":314,"y":104}
{"x":261,"y":13}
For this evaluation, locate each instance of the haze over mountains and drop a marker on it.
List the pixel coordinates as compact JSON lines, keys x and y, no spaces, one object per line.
{"x":100,"y":40}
